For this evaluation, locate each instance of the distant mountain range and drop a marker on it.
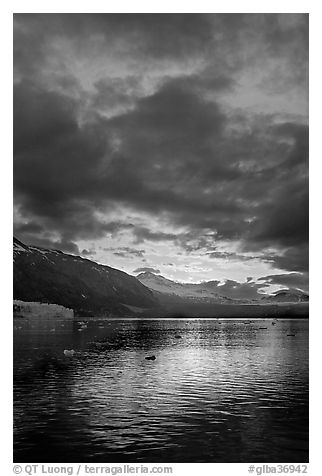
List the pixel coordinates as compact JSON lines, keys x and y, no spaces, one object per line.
{"x":287,"y":296}
{"x":208,"y":292}
{"x":203,"y":291}
{"x":92,"y":289}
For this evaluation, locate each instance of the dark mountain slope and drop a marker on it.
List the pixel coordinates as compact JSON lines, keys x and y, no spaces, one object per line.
{"x":87,"y":287}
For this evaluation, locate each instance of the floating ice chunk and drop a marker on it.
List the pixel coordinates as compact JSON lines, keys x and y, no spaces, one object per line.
{"x":69,"y":353}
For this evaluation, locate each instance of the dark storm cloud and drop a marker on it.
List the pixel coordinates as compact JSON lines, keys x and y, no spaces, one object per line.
{"x":138,"y":37}
{"x":163,"y":35}
{"x":33,"y":233}
{"x":158,"y":35}
{"x":174,"y":138}
{"x":142,"y":233}
{"x":116,"y":93}
{"x":61,"y":245}
{"x":224,"y":42}
{"x":189,"y":163}
{"x":283,"y":218}
{"x":64,"y":171}
{"x":28,"y":228}
{"x":180,"y":147}
{"x":172,"y":150}
{"x":146,"y":270}
{"x":41,"y":118}
{"x":286,"y":220}
{"x":295,"y":258}
{"x":206,"y":81}
{"x":299,"y":135}
{"x":56,"y":162}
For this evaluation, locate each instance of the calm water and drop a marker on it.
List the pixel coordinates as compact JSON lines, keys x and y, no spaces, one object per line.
{"x":226,"y":391}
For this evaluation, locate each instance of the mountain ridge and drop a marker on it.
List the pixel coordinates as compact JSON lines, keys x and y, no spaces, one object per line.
{"x":92,"y":289}
{"x":193,"y":291}
{"x":208,"y":290}
{"x":48,"y":275}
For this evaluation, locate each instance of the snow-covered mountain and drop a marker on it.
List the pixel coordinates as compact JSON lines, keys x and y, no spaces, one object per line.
{"x":208,"y":292}
{"x":43,"y":275}
{"x":205,"y":292}
{"x":287,"y":296}
{"x":203,"y":300}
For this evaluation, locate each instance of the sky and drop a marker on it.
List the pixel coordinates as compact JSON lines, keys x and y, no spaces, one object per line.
{"x":175,"y":143}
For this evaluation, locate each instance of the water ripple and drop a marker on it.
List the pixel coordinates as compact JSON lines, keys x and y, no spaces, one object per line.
{"x":223,"y":392}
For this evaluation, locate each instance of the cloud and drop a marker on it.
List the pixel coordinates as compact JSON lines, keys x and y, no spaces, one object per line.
{"x":146,"y":270}
{"x":284,"y":220}
{"x":207,"y":187}
{"x":228,"y":255}
{"x":41,"y":118}
{"x":126,"y":252}
{"x":56,"y":163}
{"x":137,"y":115}
{"x":142,"y":233}
{"x":81,"y":170}
{"x":295,"y":258}
{"x":290,"y":280}
{"x":61,"y":245}
{"x":162,"y":36}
